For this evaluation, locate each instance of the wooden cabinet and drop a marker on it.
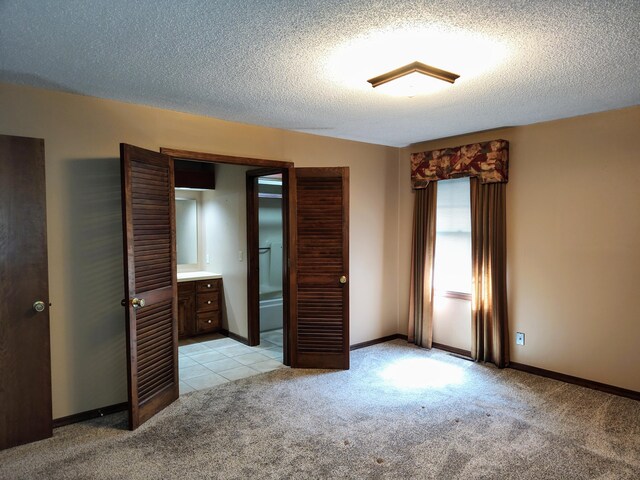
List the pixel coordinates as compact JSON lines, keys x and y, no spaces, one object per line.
{"x":186,"y":310}
{"x":199,"y":307}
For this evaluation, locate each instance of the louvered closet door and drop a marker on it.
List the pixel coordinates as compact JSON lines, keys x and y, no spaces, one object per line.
{"x":320,"y":333}
{"x":150,"y":281}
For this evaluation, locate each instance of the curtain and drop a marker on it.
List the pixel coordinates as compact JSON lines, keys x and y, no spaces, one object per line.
{"x":420,"y":329}
{"x":490,"y":336}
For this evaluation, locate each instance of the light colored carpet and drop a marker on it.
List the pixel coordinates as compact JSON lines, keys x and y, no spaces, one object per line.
{"x":450,"y":418}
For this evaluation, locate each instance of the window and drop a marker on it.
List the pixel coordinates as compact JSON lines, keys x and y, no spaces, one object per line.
{"x":452,"y":265}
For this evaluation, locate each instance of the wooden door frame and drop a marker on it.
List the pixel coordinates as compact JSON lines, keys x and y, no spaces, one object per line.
{"x":288,"y":203}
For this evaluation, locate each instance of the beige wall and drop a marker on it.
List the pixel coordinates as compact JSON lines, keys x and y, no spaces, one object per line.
{"x":573,"y":232}
{"x":226,"y":242}
{"x":82,"y":137}
{"x":452,"y":322}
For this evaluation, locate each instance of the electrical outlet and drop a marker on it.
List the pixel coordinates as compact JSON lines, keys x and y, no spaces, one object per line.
{"x":519,"y":338}
{"x":240,"y":255}
{"x":207,"y":258}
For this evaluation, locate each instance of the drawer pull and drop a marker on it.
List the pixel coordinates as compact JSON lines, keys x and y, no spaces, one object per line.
{"x":208,"y":285}
{"x":208,"y":302}
{"x":208,"y":321}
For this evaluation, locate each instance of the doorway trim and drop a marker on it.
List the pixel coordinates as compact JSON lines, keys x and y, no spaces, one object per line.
{"x":263,"y":167}
{"x":229,"y":159}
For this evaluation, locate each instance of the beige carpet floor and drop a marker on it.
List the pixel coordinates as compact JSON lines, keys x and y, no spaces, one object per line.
{"x":399,"y":413}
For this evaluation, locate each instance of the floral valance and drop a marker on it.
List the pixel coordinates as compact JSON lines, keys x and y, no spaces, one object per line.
{"x":488,"y":161}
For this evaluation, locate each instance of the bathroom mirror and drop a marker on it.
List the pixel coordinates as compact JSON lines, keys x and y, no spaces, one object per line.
{"x":187,"y":231}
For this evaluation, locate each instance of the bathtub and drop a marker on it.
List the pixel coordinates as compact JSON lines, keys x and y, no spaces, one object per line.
{"x":271,"y":313}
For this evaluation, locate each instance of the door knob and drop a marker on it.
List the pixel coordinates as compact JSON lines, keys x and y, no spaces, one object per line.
{"x":137,"y":302}
{"x":343,"y":279}
{"x":39,"y":306}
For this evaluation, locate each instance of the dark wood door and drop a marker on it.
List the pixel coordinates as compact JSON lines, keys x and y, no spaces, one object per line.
{"x":25,"y":360}
{"x":148,"y":202}
{"x":320,"y":285}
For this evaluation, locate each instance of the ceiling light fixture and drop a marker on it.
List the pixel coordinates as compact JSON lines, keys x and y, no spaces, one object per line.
{"x":415,"y":67}
{"x":466,"y":53}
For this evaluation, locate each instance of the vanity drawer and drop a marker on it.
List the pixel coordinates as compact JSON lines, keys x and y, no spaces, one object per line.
{"x":208,"y":285}
{"x":209,"y":321}
{"x":207,"y":301}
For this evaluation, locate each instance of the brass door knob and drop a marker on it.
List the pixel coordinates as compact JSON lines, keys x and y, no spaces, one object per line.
{"x":138,"y":302}
{"x":39,"y":306}
{"x":343,"y":279}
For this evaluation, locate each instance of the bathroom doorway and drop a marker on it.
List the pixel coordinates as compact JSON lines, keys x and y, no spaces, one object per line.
{"x":266,"y":245}
{"x":315,"y":206}
{"x":270,"y":259}
{"x":215,"y":352}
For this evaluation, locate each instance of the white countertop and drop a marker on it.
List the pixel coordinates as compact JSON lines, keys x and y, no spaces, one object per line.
{"x":190,"y":276}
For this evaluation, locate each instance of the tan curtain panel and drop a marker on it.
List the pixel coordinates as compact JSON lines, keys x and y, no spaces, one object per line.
{"x":420,"y":330}
{"x":490,"y":327}
{"x":488,"y":161}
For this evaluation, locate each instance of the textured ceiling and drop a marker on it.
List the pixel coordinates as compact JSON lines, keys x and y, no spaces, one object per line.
{"x":273,"y":63}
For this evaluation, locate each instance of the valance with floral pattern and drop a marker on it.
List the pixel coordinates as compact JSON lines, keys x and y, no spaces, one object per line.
{"x":488,"y":161}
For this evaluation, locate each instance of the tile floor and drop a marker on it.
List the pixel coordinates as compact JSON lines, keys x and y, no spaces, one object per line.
{"x":210,"y":360}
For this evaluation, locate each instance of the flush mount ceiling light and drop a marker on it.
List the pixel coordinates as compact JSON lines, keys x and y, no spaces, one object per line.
{"x":415,"y":67}
{"x":468,"y":54}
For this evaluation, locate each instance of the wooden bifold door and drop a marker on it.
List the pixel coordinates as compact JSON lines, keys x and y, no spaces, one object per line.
{"x":150,"y":281}
{"x":318,"y":273}
{"x":320,"y":317}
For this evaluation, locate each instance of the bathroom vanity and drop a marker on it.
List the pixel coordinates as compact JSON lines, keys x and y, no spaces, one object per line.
{"x":199,"y":303}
